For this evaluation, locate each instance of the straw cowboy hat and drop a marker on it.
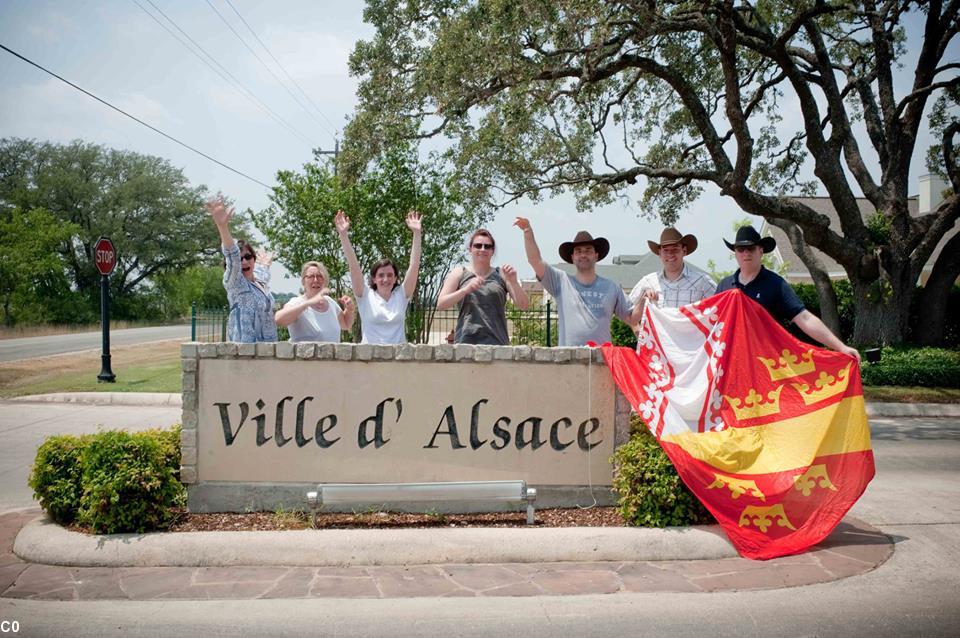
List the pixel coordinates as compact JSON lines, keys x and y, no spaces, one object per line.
{"x":601,"y":245}
{"x":748,"y":236}
{"x":673,"y":236}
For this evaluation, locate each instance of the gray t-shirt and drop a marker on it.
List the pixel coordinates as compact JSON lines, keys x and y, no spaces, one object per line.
{"x":585,"y":311}
{"x":482,"y":319}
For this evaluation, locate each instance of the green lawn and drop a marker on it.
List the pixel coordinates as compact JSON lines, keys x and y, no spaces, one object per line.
{"x":157,"y":377}
{"x":902,"y":394}
{"x":146,"y":368}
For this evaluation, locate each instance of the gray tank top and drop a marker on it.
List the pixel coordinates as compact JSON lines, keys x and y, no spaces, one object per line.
{"x":482,"y":319}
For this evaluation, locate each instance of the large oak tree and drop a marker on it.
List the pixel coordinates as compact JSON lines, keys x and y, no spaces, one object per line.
{"x":148,"y":208}
{"x":594,"y":96}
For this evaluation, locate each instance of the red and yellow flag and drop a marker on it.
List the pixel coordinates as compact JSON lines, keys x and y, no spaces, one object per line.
{"x":769,"y":432}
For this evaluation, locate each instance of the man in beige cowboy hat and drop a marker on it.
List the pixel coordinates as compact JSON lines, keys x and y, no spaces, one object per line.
{"x":586,"y":302}
{"x":676,"y":284}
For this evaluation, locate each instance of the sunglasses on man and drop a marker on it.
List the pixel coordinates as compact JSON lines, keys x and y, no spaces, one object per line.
{"x":482,"y":246}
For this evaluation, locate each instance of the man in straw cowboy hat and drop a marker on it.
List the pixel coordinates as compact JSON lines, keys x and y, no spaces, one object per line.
{"x":676,"y":284}
{"x":586,"y":302}
{"x":771,"y":290}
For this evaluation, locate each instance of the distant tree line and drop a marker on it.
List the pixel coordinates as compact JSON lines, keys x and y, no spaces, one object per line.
{"x":57,"y":199}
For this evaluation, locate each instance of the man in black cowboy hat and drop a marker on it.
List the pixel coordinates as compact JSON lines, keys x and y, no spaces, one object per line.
{"x":771,"y":291}
{"x":586,"y":302}
{"x":675,"y":284}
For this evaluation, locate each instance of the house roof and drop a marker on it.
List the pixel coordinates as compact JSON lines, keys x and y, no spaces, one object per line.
{"x":796,"y":270}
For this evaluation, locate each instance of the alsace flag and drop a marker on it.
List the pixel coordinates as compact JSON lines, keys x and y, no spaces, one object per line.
{"x":770,"y":433}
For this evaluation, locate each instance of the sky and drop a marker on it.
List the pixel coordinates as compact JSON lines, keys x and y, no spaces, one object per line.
{"x":119,"y":51}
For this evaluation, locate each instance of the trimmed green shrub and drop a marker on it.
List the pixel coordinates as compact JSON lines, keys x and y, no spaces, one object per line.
{"x":129,"y":484}
{"x":112,"y":481}
{"x":929,"y":367}
{"x":650,"y":492}
{"x":55,"y":478}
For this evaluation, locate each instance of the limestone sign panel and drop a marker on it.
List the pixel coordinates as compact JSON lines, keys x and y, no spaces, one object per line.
{"x":270,"y":420}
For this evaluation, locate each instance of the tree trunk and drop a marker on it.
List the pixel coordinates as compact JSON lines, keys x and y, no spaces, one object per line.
{"x":931,"y":321}
{"x":882,"y":309}
{"x":821,"y":280}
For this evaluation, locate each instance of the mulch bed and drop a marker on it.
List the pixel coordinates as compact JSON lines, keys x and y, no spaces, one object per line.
{"x":271,"y":521}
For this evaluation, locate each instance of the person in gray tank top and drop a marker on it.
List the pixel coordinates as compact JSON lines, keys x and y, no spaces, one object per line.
{"x":481,"y":291}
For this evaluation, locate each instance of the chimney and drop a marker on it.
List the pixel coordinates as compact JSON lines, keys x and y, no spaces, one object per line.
{"x":932,"y":188}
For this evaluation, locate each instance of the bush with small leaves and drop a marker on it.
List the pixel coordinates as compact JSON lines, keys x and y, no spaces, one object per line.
{"x":650,"y":492}
{"x":112,"y":481}
{"x":129,"y":483}
{"x":55,"y":478}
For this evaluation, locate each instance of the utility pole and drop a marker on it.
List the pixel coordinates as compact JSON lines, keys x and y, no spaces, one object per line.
{"x":335,"y":152}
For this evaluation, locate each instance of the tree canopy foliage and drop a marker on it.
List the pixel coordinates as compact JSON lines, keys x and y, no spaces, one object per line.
{"x":30,"y":270}
{"x":146,"y":206}
{"x":595,"y":96}
{"x":299,"y":224}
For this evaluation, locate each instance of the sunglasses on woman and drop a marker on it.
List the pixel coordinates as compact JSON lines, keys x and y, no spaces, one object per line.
{"x":248,"y":257}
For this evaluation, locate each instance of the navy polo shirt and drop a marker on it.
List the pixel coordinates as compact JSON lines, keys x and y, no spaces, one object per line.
{"x":770,"y":290}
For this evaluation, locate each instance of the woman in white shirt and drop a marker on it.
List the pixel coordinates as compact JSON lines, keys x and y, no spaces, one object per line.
{"x":383,"y":307}
{"x":314,"y":315}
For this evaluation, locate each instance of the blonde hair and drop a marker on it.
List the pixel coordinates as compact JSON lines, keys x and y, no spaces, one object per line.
{"x":318,"y":266}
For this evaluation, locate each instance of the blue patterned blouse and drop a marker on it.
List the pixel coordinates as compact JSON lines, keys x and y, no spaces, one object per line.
{"x":251,"y":309}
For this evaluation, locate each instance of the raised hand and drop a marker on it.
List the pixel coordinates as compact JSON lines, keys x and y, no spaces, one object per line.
{"x":522,"y":223}
{"x":341,"y":221}
{"x":346,"y":302}
{"x":264,"y":258}
{"x":413,"y":221}
{"x":217,"y":209}
{"x":509,"y":273}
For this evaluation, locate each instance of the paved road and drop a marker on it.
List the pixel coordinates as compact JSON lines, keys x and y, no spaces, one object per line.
{"x":24,"y":426}
{"x":915,"y":499}
{"x":31,"y":347}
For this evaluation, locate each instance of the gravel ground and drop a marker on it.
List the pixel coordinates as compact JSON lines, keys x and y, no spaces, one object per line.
{"x":268,"y":521}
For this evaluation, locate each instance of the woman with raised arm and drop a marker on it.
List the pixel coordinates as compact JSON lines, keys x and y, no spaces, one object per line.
{"x":251,"y":304}
{"x":481,"y":291}
{"x":383,"y":308}
{"x":314,"y":315}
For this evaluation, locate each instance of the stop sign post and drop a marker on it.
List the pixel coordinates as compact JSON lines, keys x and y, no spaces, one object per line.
{"x":105,"y":258}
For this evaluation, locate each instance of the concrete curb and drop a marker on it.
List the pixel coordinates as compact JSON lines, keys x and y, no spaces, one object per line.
{"x":158,"y":399}
{"x":42,"y":541}
{"x":874,"y":409}
{"x":913,"y":409}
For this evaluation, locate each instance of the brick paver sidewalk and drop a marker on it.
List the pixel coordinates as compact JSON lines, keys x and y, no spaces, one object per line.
{"x":854,"y":548}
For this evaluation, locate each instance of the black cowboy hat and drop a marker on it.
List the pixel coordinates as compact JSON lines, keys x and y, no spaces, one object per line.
{"x":748,"y":236}
{"x":601,"y":245}
{"x":673,"y":236}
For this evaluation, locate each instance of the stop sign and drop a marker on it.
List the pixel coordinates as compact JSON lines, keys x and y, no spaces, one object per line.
{"x":104,"y":256}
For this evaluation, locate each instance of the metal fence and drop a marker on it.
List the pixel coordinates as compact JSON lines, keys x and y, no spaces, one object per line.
{"x":208,"y":324}
{"x":534,"y":327}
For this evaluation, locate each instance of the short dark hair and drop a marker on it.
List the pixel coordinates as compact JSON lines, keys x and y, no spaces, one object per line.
{"x":241,"y":245}
{"x":482,"y":232}
{"x":383,"y":263}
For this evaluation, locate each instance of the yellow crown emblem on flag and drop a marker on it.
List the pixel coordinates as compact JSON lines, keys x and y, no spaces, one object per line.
{"x":815,"y":476}
{"x":738,"y":487}
{"x":765,"y":517}
{"x":789,"y":365}
{"x":754,"y":405}
{"x":824,"y":387}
